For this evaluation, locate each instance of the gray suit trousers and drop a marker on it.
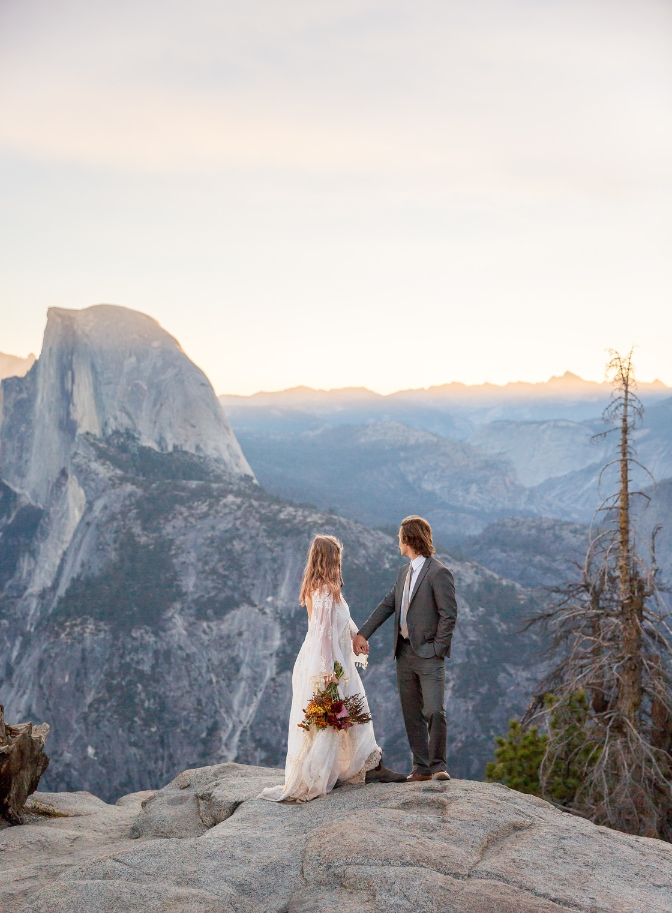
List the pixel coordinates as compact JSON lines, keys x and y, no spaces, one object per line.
{"x":422,"y":683}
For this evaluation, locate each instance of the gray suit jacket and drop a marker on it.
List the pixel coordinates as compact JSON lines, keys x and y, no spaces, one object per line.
{"x":432,"y":611}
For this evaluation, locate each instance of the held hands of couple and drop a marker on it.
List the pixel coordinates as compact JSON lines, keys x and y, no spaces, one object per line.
{"x":360,"y":645}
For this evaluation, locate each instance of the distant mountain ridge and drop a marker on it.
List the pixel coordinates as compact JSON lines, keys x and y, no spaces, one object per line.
{"x":557,"y":386}
{"x":452,"y":410}
{"x":530,"y":452}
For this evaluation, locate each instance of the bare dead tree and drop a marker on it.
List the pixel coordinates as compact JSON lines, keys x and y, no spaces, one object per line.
{"x":612,"y":636}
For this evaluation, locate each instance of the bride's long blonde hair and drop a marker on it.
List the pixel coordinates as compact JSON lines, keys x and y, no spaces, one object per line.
{"x":323,"y":568}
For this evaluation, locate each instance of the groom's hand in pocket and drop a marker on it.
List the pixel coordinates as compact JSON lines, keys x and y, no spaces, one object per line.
{"x":360,"y":645}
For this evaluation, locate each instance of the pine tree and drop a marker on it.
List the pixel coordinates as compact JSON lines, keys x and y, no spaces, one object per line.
{"x":518,"y":757}
{"x":520,"y":754}
{"x":573,"y":751}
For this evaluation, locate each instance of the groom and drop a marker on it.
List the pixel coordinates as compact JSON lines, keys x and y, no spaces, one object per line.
{"x":425,"y":611}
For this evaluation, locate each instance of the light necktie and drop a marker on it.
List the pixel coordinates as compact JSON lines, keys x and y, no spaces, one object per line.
{"x":405,"y":601}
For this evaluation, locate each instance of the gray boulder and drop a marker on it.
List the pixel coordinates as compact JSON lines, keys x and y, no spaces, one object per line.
{"x":448,"y":847}
{"x":198,"y":799}
{"x":65,"y":805}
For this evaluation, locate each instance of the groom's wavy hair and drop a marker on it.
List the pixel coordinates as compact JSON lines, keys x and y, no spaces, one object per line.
{"x":323,"y":568}
{"x":417,"y":533}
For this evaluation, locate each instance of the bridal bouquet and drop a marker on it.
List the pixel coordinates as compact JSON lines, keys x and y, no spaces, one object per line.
{"x":327,"y":708}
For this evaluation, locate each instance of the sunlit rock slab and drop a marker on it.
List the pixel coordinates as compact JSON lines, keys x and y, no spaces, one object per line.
{"x":449,"y":847}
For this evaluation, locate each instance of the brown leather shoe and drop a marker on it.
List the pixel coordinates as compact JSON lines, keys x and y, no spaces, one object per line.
{"x":382,"y":774}
{"x":441,"y":775}
{"x":417,"y":777}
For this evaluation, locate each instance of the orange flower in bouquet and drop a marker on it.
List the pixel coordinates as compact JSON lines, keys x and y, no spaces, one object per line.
{"x":327,"y":708}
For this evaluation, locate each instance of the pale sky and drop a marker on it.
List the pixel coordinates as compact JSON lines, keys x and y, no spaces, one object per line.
{"x":386,"y":194}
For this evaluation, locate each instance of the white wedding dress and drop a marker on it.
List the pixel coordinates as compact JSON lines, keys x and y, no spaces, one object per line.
{"x":316,"y":759}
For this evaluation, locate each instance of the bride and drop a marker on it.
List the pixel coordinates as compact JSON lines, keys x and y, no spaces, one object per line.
{"x":318,"y":758}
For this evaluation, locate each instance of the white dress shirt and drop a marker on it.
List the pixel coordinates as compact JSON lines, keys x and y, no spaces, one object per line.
{"x":416,"y":566}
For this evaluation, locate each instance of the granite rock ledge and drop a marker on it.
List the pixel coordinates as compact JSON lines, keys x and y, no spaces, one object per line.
{"x":454,"y":847}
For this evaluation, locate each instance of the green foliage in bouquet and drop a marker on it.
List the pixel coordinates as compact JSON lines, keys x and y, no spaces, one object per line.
{"x":327,"y":708}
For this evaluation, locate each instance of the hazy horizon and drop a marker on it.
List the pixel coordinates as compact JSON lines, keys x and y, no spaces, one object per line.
{"x":564,"y":379}
{"x":656,"y":382}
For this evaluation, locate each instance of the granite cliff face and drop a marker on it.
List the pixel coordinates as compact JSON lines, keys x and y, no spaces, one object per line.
{"x":148,"y":606}
{"x":107,"y":370}
{"x":104,"y":373}
{"x":533,"y":551}
{"x":543,"y":450}
{"x":562,"y":463}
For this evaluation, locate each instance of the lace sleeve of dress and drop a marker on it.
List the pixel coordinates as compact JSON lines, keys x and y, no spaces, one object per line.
{"x":323,"y":623}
